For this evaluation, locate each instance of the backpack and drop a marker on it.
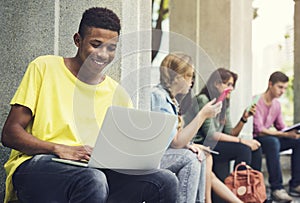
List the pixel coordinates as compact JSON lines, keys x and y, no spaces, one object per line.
{"x":248,"y":185}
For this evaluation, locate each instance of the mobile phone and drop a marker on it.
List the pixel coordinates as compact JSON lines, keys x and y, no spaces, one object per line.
{"x":211,"y":151}
{"x":254,"y":101}
{"x":224,"y":94}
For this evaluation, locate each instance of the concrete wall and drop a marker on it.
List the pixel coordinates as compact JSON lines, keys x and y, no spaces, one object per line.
{"x":33,"y":27}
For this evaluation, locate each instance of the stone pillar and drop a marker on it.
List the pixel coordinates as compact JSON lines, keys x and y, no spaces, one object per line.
{"x":27,"y":31}
{"x":136,"y":51}
{"x":215,"y":30}
{"x":206,"y":23}
{"x":184,"y":37}
{"x":297,"y":61}
{"x":241,"y":60}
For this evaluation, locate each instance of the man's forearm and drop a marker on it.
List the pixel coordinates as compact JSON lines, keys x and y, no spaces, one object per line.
{"x":17,"y":138}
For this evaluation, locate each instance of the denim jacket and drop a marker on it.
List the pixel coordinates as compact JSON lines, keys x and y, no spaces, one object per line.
{"x":162,"y":102}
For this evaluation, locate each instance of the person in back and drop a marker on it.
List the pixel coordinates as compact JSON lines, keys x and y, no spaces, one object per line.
{"x":56,"y":112}
{"x":273,"y":141}
{"x":218,"y":132}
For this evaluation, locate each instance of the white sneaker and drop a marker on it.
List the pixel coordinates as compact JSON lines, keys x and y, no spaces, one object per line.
{"x":281,"y":196}
{"x":295,"y":191}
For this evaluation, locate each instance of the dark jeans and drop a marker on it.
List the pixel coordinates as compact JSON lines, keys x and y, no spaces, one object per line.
{"x":41,"y":180}
{"x":237,"y":152}
{"x":271,"y":147}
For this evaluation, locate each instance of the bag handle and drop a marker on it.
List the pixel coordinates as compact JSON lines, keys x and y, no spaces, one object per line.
{"x":248,"y":168}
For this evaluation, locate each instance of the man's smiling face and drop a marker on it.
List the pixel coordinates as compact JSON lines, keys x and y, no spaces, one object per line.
{"x":96,"y":49}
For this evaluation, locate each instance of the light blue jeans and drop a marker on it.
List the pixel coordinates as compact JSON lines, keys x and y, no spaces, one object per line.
{"x":190,"y":173}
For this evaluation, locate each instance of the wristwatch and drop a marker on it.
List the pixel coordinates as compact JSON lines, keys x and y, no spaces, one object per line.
{"x":243,"y":120}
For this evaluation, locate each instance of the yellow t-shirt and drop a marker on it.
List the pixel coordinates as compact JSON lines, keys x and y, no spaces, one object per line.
{"x":65,"y":110}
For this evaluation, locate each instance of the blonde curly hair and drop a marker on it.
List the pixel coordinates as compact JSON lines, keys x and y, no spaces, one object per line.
{"x":174,"y":64}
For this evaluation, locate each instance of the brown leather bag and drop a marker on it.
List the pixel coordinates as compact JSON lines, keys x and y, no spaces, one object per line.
{"x":248,"y":184}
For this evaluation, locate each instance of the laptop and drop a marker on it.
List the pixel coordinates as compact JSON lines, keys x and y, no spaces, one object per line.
{"x":130,"y":139}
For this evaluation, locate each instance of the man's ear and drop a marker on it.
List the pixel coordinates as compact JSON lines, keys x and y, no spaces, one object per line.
{"x":77,"y":39}
{"x":270,"y":84}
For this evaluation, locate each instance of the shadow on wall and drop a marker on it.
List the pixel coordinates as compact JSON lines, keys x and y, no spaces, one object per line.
{"x":3,"y":158}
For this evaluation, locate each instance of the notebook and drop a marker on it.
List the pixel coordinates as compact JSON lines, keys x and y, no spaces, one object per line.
{"x":130,"y":139}
{"x":293,"y":127}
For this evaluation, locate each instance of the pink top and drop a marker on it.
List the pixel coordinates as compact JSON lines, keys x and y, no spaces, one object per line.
{"x":267,"y":116}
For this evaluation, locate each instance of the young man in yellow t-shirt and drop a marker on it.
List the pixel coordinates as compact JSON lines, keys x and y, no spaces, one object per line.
{"x":57,"y":111}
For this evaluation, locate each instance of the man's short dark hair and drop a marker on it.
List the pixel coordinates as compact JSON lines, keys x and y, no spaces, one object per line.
{"x":278,"y":77}
{"x":99,"y":18}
